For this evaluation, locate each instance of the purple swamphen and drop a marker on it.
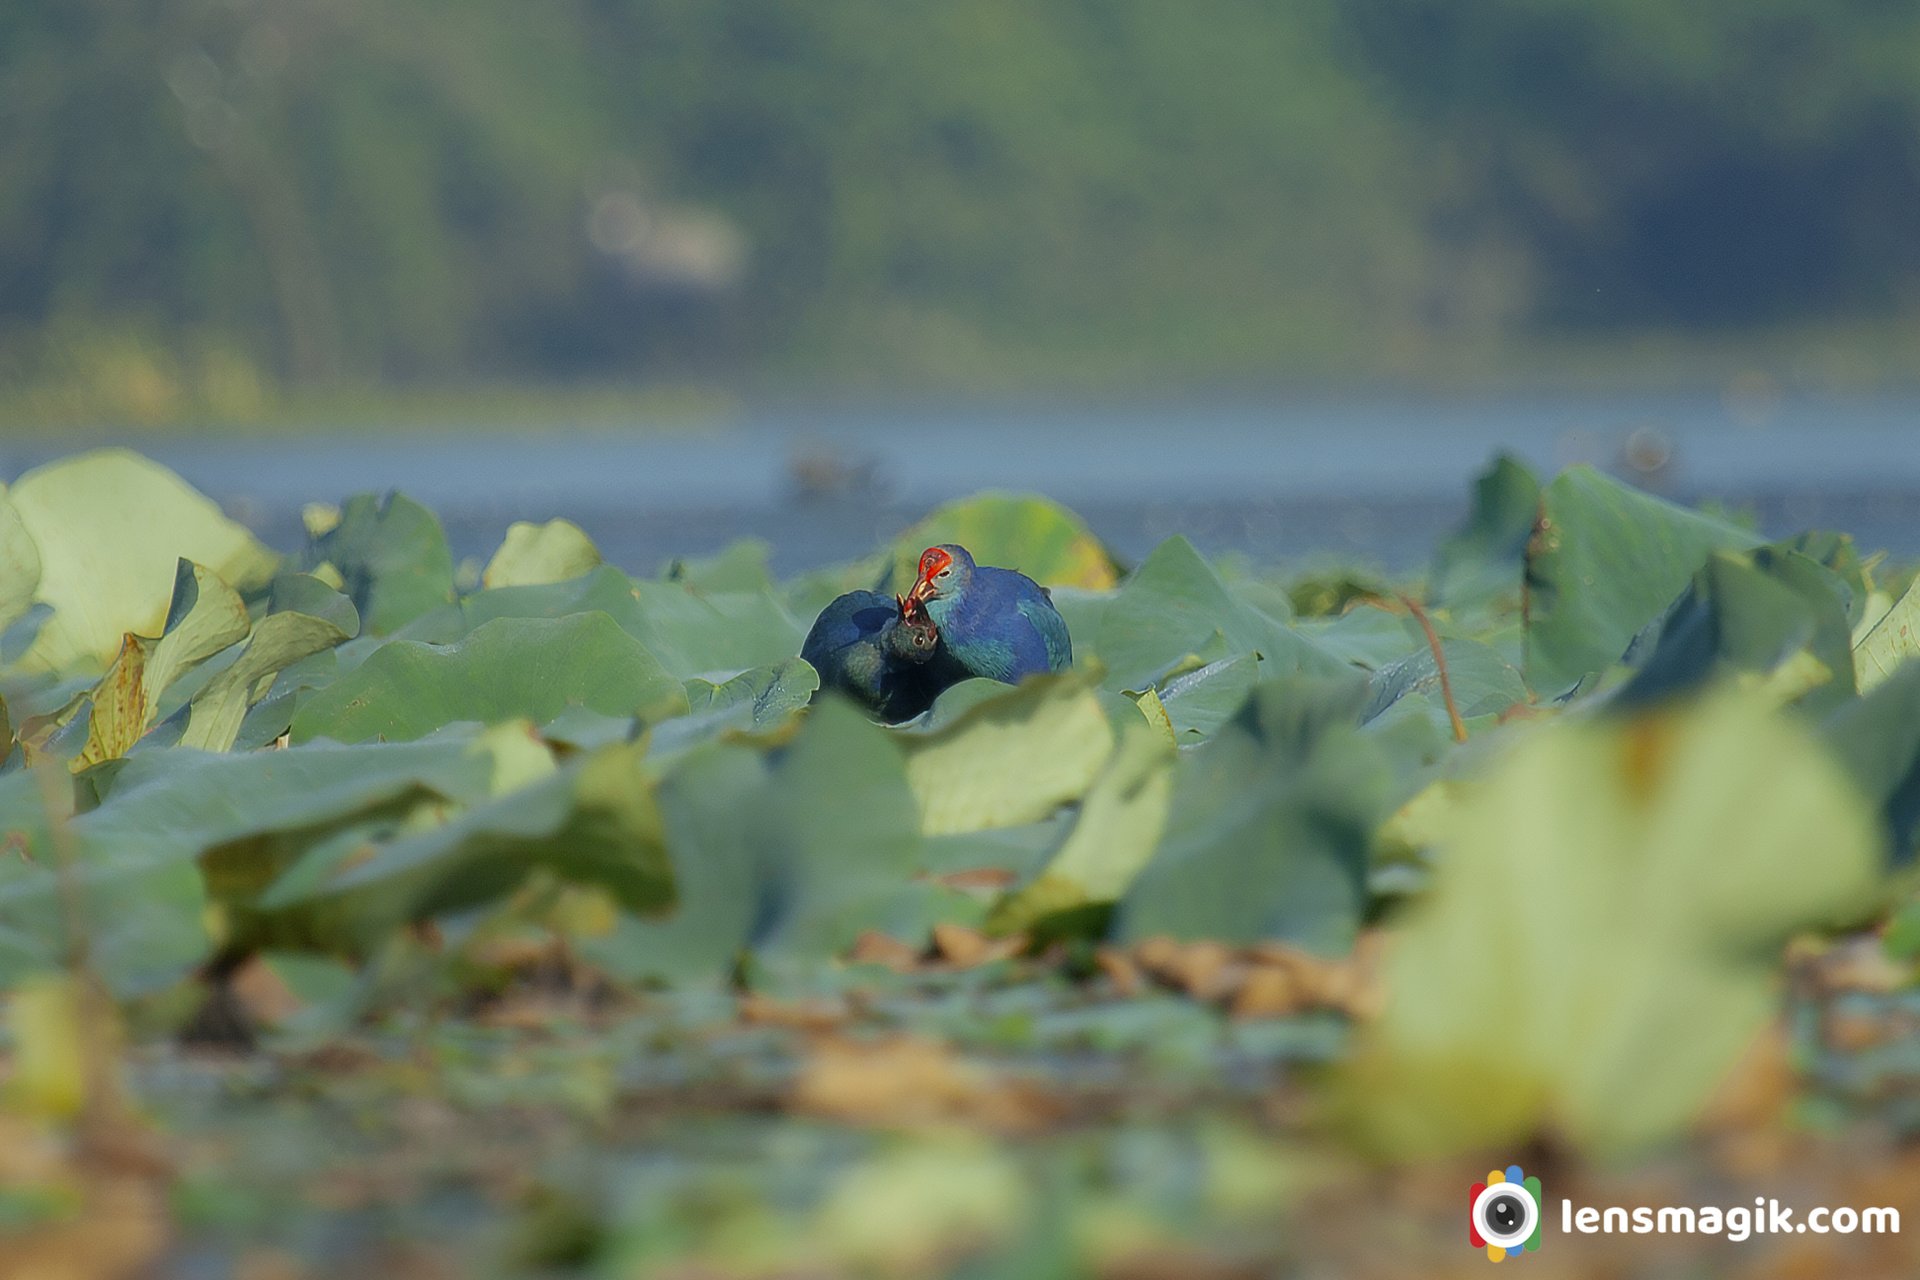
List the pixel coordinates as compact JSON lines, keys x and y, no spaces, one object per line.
{"x":992,"y":622}
{"x":871,"y":648}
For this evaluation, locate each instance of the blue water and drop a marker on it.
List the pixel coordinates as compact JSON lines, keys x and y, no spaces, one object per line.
{"x":1377,"y":478}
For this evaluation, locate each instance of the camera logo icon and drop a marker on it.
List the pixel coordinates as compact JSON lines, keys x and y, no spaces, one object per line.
{"x":1503,"y":1215}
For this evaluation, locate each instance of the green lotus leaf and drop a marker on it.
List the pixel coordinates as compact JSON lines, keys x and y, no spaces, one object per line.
{"x":142,"y":908}
{"x":1485,"y":558}
{"x":1034,"y":535}
{"x":1877,"y":739}
{"x":695,"y":634}
{"x":304,"y":593}
{"x":19,"y":565}
{"x":1114,"y":835}
{"x":111,"y":528}
{"x":1605,"y":561}
{"x":1270,"y":825}
{"x":279,"y":640}
{"x":1836,"y":553}
{"x":766,"y":695}
{"x":134,"y":885}
{"x":1753,"y":614}
{"x":1599,"y":944}
{"x":1010,"y":759}
{"x":789,"y":858}
{"x":1368,"y":635}
{"x":691,"y":632}
{"x":739,"y":566}
{"x":591,"y":821}
{"x":391,"y":556}
{"x":1176,"y":613}
{"x":533,"y":554}
{"x":1482,"y":682}
{"x":507,"y":669}
{"x":1198,"y":702}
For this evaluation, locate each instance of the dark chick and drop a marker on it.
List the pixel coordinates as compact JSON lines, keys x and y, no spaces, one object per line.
{"x":864,"y":646}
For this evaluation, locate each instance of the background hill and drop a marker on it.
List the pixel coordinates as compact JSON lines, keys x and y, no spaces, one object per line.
{"x":207,"y":207}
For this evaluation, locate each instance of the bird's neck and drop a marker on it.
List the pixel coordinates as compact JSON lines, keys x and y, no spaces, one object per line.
{"x":948,"y":610}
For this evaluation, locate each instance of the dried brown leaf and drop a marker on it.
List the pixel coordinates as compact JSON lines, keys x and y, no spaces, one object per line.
{"x":874,"y":947}
{"x":797,"y":1015}
{"x":908,"y":1081}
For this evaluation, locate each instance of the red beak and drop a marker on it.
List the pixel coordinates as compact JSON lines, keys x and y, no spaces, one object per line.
{"x":922,"y":592}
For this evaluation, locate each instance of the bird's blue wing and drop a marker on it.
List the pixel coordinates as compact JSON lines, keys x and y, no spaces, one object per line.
{"x":851,"y":619}
{"x":1051,"y":628}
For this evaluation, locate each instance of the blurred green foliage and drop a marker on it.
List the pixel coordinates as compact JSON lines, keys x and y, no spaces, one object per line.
{"x":552,"y":928}
{"x":204,"y":204}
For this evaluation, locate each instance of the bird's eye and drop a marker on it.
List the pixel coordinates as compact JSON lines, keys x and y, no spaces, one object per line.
{"x":944,"y":573}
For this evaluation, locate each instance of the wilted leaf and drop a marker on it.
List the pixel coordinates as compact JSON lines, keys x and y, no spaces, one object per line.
{"x":511,"y":668}
{"x":119,"y":705}
{"x":1155,"y":713}
{"x":205,"y":617}
{"x":533,"y":554}
{"x":1891,"y":641}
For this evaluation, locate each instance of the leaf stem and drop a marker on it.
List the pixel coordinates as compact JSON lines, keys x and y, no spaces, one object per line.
{"x":1440,"y":662}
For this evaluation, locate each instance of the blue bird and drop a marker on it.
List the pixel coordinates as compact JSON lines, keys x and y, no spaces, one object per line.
{"x":864,"y":645}
{"x":992,"y":622}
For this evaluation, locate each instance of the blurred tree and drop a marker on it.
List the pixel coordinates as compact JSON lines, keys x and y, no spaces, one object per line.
{"x":1716,"y":165}
{"x":203,"y":199}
